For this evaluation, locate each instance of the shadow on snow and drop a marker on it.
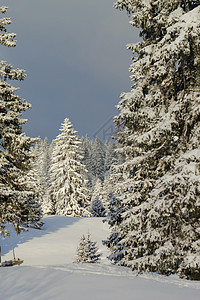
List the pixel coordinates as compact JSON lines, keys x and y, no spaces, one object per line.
{"x":51,"y":225}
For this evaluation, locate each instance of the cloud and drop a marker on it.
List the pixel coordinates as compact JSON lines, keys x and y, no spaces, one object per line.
{"x":76,"y":59}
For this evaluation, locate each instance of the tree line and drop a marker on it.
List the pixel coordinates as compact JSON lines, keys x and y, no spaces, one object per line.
{"x":73,"y":173}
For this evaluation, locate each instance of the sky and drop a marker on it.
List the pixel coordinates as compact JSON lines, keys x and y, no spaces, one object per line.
{"x":77,"y":65}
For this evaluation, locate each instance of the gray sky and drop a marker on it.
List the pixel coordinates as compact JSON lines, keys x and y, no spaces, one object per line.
{"x":74,"y":53}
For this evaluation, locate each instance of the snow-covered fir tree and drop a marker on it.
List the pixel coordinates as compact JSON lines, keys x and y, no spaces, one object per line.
{"x":43,"y":153}
{"x":108,"y":186}
{"x":87,"y":159}
{"x":32,"y":207}
{"x":97,"y":208}
{"x":46,"y":201}
{"x":114,"y":219}
{"x":98,"y":159}
{"x":16,"y":196}
{"x":87,"y":251}
{"x":159,"y":133}
{"x":112,"y":157}
{"x":115,"y":210}
{"x":68,"y":184}
{"x":94,"y":159}
{"x":97,"y":189}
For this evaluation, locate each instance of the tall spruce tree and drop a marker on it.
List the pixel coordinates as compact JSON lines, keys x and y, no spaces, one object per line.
{"x":15,"y":155}
{"x":159,"y":133}
{"x":68,"y":184}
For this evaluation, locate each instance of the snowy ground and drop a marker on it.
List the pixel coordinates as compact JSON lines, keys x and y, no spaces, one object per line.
{"x":48,"y":271}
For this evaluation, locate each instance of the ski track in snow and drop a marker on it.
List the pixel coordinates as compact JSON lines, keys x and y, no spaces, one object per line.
{"x":118,"y":271}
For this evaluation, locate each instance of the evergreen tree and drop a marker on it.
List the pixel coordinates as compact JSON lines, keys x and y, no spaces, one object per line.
{"x":15,"y":153}
{"x":32,"y":207}
{"x":98,"y":159}
{"x":114,"y":219}
{"x":87,"y":251}
{"x":115,"y":211}
{"x":43,"y":153}
{"x":87,"y":159}
{"x":97,"y":208}
{"x":94,"y":160}
{"x":68,"y":185}
{"x":108,"y":188}
{"x":158,"y":130}
{"x":112,"y":157}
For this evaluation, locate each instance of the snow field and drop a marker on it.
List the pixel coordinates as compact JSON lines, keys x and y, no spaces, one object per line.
{"x":57,"y":242}
{"x":48,"y":272}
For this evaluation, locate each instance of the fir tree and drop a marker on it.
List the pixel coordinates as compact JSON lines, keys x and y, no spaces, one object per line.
{"x":94,"y":160}
{"x":32,"y":207}
{"x":16,"y":196}
{"x":68,"y":184}
{"x":87,"y":251}
{"x":97,"y":189}
{"x":87,"y":160}
{"x":97,"y":208}
{"x":43,"y":153}
{"x":115,"y":211}
{"x":98,"y":159}
{"x":158,"y":130}
{"x":112,"y":157}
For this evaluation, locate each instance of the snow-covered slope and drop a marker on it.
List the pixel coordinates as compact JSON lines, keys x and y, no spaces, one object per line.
{"x":48,"y":271}
{"x":56,"y":243}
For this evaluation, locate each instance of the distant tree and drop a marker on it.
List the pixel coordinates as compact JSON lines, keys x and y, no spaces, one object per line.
{"x":97,"y":208}
{"x":107,"y":189}
{"x":93,"y":159}
{"x":87,"y":251}
{"x":86,"y":146}
{"x":68,"y":184}
{"x":43,"y":153}
{"x":98,"y":159}
{"x":112,"y":157}
{"x":16,"y":195}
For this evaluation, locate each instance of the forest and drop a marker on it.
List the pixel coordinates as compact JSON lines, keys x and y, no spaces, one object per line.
{"x":146,"y":182}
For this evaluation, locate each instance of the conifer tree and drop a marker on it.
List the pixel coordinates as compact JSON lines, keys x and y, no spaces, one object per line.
{"x":98,"y":159}
{"x":97,"y":208}
{"x":95,"y":160}
{"x":158,"y":130}
{"x":32,"y":207}
{"x":68,"y":184}
{"x":15,"y":154}
{"x":87,"y":251}
{"x":43,"y":153}
{"x":112,"y":157}
{"x":114,"y":219}
{"x":87,"y":159}
{"x":115,"y":209}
